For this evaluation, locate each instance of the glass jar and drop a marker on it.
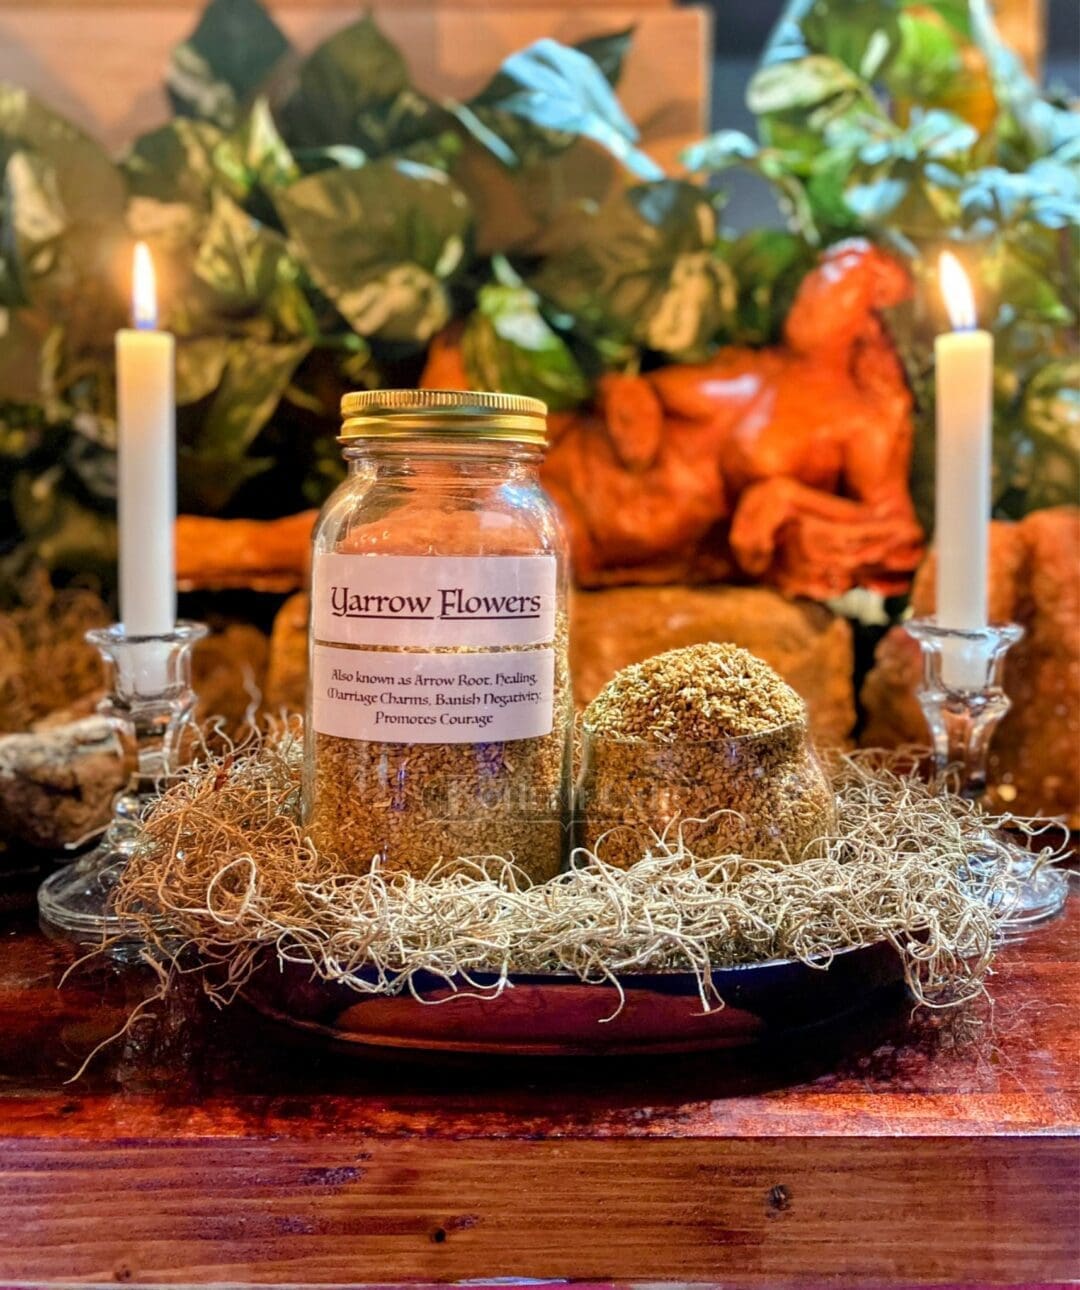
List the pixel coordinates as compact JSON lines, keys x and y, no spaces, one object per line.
{"x":439,"y":706}
{"x":762,"y":796}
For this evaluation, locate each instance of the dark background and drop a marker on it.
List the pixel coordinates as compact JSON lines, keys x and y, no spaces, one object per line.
{"x":740,"y":28}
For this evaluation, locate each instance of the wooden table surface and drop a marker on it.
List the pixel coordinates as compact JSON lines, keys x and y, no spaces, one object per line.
{"x":207,"y":1146}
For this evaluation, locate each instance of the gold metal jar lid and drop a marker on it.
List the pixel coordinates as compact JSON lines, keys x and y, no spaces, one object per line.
{"x":459,"y":414}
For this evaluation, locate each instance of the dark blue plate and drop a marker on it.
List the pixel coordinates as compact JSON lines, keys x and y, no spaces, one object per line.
{"x":556,"y":1014}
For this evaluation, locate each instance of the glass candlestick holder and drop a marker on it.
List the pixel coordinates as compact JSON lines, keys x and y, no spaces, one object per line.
{"x":150,"y":703}
{"x":963,"y":701}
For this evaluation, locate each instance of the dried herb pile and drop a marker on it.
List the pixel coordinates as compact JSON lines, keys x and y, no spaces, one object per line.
{"x":701,"y":692}
{"x":225,"y":875}
{"x":708,"y":741}
{"x":417,"y":807}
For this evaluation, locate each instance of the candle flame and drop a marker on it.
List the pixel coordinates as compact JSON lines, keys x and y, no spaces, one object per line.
{"x":957,"y":293}
{"x":143,"y":290}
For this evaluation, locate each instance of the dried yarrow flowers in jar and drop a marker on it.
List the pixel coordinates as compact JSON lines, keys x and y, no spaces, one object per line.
{"x":707,"y":741}
{"x":439,"y":709}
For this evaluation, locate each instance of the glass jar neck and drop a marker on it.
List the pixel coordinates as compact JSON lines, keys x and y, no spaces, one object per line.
{"x":419,"y":456}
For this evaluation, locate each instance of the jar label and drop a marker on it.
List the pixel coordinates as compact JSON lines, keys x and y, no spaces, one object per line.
{"x":444,"y":698}
{"x":422,"y":601}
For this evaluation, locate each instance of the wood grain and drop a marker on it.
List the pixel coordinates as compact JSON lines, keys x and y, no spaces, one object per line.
{"x":207,"y":1146}
{"x":372,"y":1209}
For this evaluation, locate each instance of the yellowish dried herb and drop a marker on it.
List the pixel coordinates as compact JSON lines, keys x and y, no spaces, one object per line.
{"x":706,"y":739}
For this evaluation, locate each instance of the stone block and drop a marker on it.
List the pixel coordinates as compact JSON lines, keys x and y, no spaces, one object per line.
{"x":1035,"y":757}
{"x":808,"y":645}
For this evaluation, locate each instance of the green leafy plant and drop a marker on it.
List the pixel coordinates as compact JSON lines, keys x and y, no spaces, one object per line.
{"x":316,"y":221}
{"x":314,"y":224}
{"x":913,"y":124}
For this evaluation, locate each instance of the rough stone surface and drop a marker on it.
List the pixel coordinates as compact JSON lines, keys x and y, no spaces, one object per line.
{"x":228,"y":671}
{"x":58,"y":777}
{"x":1035,"y":760}
{"x":809,"y":646}
{"x":286,"y":676}
{"x":46,"y":663}
{"x":57,"y":783}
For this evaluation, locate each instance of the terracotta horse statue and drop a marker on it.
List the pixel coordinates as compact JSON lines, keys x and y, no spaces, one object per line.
{"x":786,"y":465}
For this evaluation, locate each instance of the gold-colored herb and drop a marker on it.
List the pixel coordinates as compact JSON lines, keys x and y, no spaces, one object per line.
{"x":225,"y":868}
{"x":408,"y":808}
{"x":700,"y":692}
{"x":706,"y":739}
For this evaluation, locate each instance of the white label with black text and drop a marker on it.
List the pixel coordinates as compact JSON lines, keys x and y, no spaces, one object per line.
{"x":417,"y":698}
{"x":431,"y":600}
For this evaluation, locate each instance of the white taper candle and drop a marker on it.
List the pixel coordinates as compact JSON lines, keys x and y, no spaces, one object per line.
{"x":146,"y":484}
{"x":964,"y":361}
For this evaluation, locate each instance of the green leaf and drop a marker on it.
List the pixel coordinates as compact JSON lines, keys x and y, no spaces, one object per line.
{"x":391,"y":281}
{"x":1050,"y":415}
{"x":355,"y":91}
{"x":720,"y":151}
{"x":248,"y":268}
{"x":1052,"y":402}
{"x":225,"y":59}
{"x":922,"y":207}
{"x":338,"y":155}
{"x":1021,"y":283}
{"x":171,"y":175}
{"x":175,"y":163}
{"x":206,"y":483}
{"x":558,"y":94}
{"x":61,"y":209}
{"x":801,"y":103}
{"x":930,"y":59}
{"x":62,"y":532}
{"x":787,"y":42}
{"x":874,"y":202}
{"x":238,"y":258}
{"x":863,"y":36}
{"x":768,"y":265}
{"x":255,"y":156}
{"x":94,"y":467}
{"x":934,"y":135}
{"x":508,"y":345}
{"x":87,"y":180}
{"x":38,"y":214}
{"x":256,"y":376}
{"x":1047,"y":193}
{"x":200,"y":365}
{"x":643,"y":269}
{"x":608,"y":52}
{"x":441,"y":151}
{"x":957,"y":13}
{"x":728,"y":149}
{"x":902,"y":181}
{"x":358,"y":368}
{"x":800,"y":85}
